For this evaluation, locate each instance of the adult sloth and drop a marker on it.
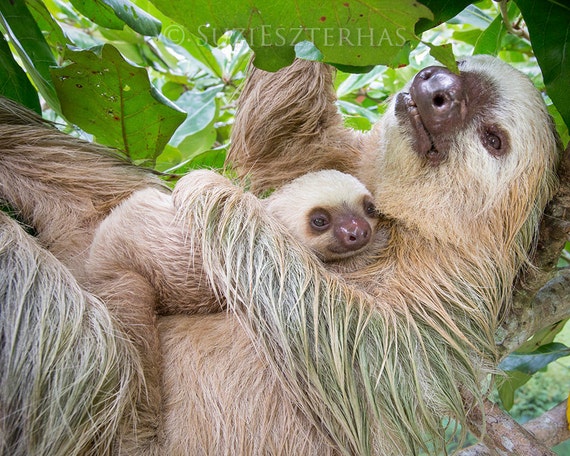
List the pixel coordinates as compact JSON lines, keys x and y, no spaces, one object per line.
{"x":309,"y":361}
{"x":461,"y":167}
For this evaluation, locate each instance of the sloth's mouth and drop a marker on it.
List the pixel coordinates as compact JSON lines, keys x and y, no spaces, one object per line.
{"x":423,"y":140}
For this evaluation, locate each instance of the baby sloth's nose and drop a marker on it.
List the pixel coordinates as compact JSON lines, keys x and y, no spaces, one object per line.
{"x":440,"y":97}
{"x":352,"y":233}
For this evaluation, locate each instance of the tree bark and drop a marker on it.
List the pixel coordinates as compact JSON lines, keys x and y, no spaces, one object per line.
{"x":546,"y":431}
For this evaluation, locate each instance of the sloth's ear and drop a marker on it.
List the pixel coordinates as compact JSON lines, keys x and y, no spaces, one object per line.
{"x":287,"y":124}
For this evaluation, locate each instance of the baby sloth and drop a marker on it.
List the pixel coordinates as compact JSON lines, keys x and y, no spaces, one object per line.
{"x":330,"y":212}
{"x":141,"y":247}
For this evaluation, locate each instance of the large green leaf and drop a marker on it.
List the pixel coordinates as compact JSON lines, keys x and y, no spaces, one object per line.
{"x":30,"y":45}
{"x":113,"y":100}
{"x":548,"y":23}
{"x":352,"y":33}
{"x":15,"y":84}
{"x":115,"y":14}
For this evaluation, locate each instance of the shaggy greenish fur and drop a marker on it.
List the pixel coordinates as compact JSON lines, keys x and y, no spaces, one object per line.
{"x":65,"y":381}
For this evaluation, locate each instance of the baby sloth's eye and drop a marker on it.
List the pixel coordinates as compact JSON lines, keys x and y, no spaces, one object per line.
{"x":370,"y":209}
{"x":320,"y":220}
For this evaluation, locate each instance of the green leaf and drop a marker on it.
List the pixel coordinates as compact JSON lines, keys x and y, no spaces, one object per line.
{"x":113,"y":100}
{"x":351,"y":33}
{"x":51,"y":30}
{"x":548,"y":23}
{"x":520,"y":367}
{"x":442,"y":10}
{"x":530,"y":363}
{"x":31,"y":47}
{"x":99,"y":12}
{"x":542,"y":337}
{"x":509,"y":385}
{"x":472,"y":16}
{"x":212,"y":159}
{"x":201,"y":109}
{"x":491,"y":40}
{"x":15,"y":84}
{"x":354,"y":109}
{"x":444,"y":54}
{"x":114,"y":14}
{"x":357,"y":81}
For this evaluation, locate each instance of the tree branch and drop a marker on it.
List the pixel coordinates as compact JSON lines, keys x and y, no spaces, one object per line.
{"x":548,"y":430}
{"x":512,"y":29}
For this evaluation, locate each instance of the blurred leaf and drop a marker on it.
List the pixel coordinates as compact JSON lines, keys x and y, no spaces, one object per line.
{"x":15,"y":83}
{"x":31,"y":47}
{"x":520,"y":367}
{"x":114,"y":14}
{"x":357,"y":123}
{"x":350,"y":33}
{"x":473,"y":16}
{"x":357,"y":81}
{"x":548,"y":24}
{"x":541,"y":338}
{"x":114,"y":101}
{"x":530,"y":363}
{"x":353,"y":109}
{"x":213,"y":159}
{"x":467,"y":36}
{"x":491,"y":40}
{"x":201,"y":109}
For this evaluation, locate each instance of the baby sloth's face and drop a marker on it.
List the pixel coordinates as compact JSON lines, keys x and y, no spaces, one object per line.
{"x":330,"y":212}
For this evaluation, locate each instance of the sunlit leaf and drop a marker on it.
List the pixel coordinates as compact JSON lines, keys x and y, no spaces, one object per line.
{"x":348,"y":33}
{"x":444,"y":55}
{"x":114,"y":14}
{"x":114,"y":101}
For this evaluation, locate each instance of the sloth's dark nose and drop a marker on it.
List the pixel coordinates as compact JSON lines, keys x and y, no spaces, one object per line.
{"x":440,"y":98}
{"x":352,"y":232}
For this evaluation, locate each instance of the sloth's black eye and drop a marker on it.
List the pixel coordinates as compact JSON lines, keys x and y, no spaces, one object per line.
{"x":320,"y":220}
{"x":370,"y":209}
{"x":495,"y":140}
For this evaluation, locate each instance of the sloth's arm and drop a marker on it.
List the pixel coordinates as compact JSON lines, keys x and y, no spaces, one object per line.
{"x":287,"y":124}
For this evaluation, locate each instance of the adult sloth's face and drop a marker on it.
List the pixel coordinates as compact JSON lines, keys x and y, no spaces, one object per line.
{"x":473,"y":142}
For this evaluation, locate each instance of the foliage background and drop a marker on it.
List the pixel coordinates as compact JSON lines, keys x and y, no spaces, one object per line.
{"x":159,"y":80}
